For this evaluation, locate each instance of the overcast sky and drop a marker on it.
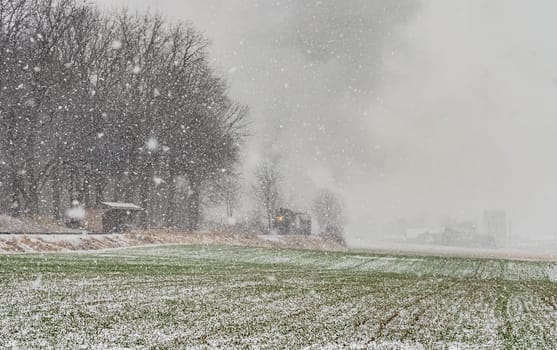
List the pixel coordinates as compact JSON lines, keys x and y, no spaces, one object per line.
{"x":408,"y":108}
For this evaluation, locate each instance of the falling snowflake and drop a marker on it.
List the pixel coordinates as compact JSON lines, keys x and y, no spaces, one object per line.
{"x":93,"y":78}
{"x":76,"y":213}
{"x":116,"y":44}
{"x":30,"y":103}
{"x":152,"y":144}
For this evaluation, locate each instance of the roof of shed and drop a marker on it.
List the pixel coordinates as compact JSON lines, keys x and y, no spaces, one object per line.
{"x":122,"y":206}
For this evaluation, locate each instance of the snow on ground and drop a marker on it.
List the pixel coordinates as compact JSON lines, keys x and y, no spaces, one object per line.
{"x":519,"y":253}
{"x":23,"y":243}
{"x":9,"y":224}
{"x":552,"y":273}
{"x":206,"y":296}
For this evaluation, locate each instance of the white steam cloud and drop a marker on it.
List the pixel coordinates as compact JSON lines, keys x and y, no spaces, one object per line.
{"x":408,"y":108}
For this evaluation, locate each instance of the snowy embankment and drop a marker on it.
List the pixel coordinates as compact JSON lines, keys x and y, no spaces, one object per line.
{"x":22,"y":243}
{"x":32,"y":225}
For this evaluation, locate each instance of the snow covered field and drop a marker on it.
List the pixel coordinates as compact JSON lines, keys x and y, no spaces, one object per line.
{"x":202,"y":296}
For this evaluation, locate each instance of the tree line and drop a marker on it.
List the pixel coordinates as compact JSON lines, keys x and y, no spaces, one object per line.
{"x":115,"y":106}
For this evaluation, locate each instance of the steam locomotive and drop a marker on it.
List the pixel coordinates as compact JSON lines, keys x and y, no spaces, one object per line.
{"x":287,"y":222}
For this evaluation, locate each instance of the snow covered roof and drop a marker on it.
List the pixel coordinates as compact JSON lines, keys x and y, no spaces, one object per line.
{"x":123,"y":206}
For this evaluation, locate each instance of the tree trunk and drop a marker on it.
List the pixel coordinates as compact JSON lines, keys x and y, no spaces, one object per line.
{"x":56,"y":191}
{"x":128,"y":185}
{"x":269,"y":220}
{"x":170,"y":216}
{"x":33,"y":197}
{"x":73,"y":189}
{"x":16,"y":205}
{"x":100,"y":184}
{"x":144,"y":199}
{"x":229,"y":208}
{"x":86,"y":191}
{"x":193,"y":204}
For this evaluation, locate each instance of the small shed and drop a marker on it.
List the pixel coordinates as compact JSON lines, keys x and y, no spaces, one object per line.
{"x":118,"y":217}
{"x":111,"y":217}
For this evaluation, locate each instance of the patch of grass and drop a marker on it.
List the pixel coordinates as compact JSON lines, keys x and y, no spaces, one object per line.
{"x":175,"y":297}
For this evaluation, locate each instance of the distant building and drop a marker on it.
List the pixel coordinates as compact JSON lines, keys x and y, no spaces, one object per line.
{"x":110,"y":217}
{"x":495,"y":224}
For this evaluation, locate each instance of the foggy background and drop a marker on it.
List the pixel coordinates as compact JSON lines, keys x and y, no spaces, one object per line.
{"x":409,"y":109}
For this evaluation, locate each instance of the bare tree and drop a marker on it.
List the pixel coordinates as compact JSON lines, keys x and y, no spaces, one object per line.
{"x":81,"y":95}
{"x":328,"y":211}
{"x":267,"y":189}
{"x":231,"y":193}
